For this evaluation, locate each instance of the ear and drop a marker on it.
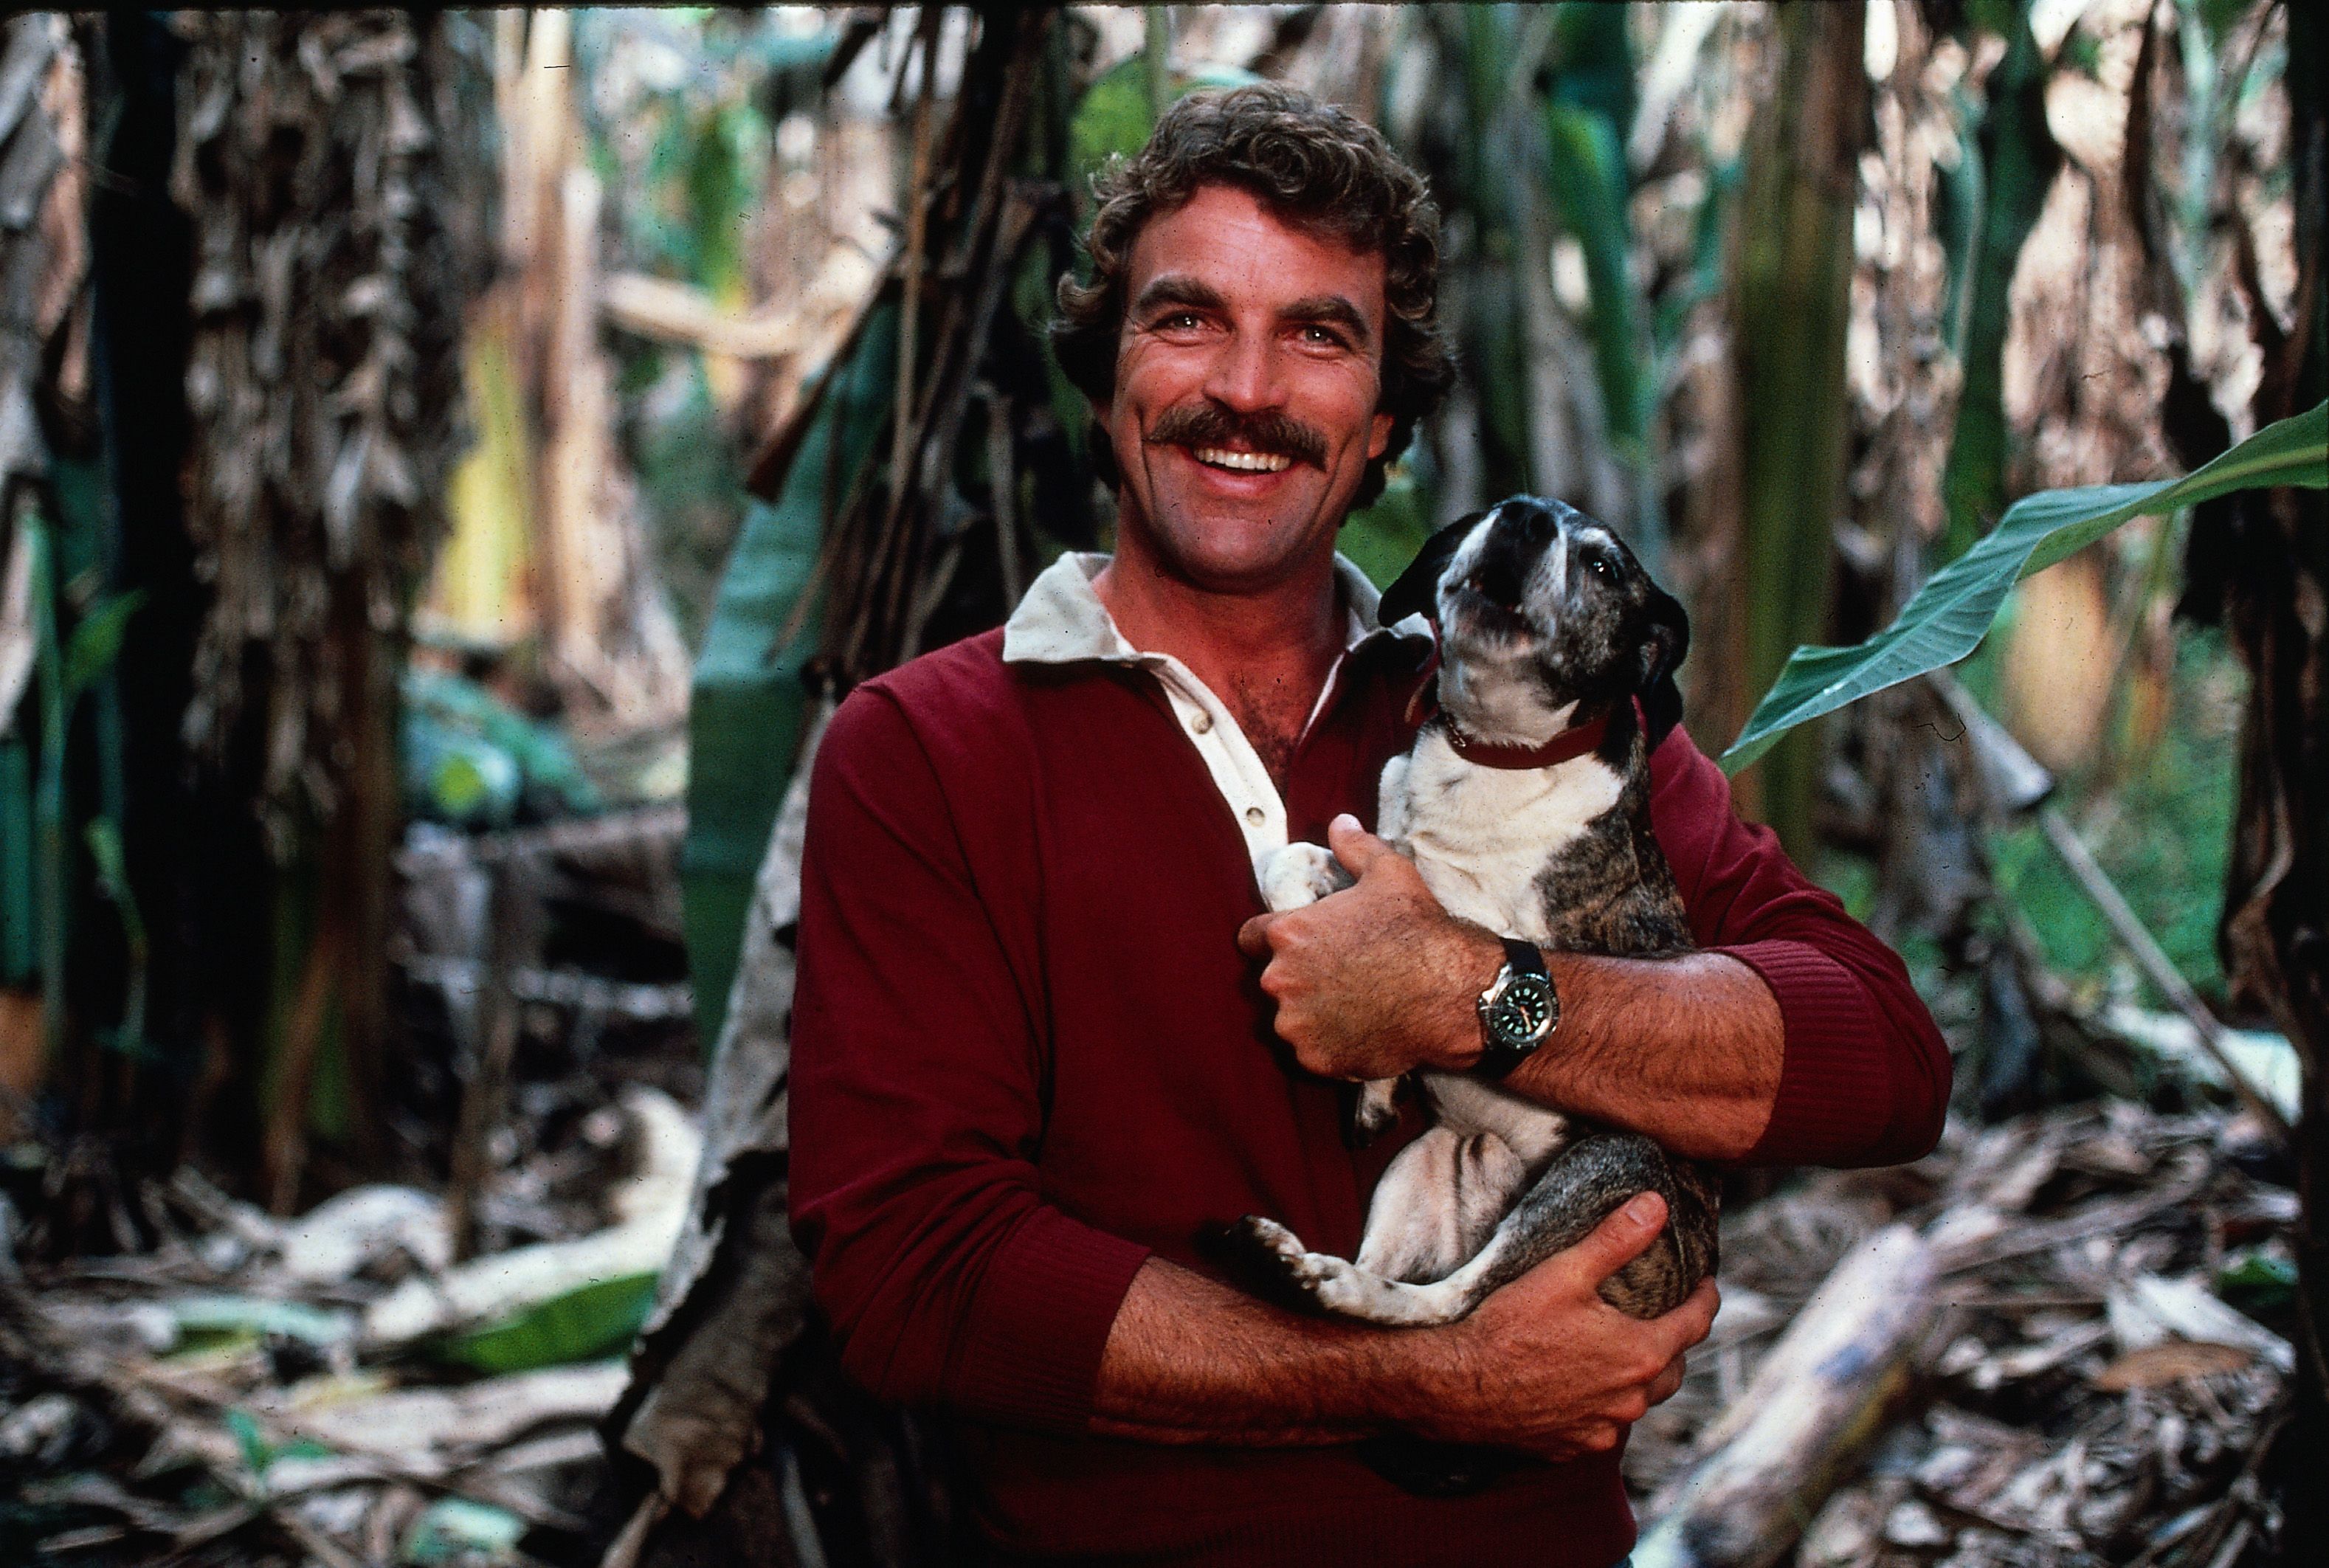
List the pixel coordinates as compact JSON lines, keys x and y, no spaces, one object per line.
{"x":1417,"y":591}
{"x":1666,"y":640}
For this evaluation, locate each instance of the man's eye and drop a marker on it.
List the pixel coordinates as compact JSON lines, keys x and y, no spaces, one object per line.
{"x":1178,"y":321}
{"x":1323,"y":336}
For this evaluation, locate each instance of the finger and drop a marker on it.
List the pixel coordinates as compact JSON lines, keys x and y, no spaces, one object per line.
{"x":1694,"y":1318}
{"x":1667,"y":1383}
{"x":1253,"y":936}
{"x":1621,"y":1238}
{"x":1692,"y":1321}
{"x":1355,"y":846}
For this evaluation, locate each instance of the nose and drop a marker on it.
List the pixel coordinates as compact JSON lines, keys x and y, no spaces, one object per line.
{"x":1511,"y":549}
{"x":1527,"y":525}
{"x":1244,"y":376}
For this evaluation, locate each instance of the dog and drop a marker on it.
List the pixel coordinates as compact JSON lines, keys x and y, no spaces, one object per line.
{"x":1548,"y":626}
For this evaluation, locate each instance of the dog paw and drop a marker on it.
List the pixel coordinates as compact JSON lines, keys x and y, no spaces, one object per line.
{"x":1276,"y":1259}
{"x":1267,"y":1239}
{"x":1299,"y":874}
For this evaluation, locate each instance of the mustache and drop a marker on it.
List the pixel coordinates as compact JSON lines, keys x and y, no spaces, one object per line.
{"x":1209,"y":425}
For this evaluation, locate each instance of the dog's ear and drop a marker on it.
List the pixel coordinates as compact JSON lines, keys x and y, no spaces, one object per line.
{"x":1666,"y":640}
{"x":1417,"y":591}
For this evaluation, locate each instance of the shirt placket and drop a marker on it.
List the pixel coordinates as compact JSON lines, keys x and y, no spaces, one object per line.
{"x":1228,"y":756}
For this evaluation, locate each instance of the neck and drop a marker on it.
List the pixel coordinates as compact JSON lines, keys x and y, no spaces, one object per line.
{"x":1282,"y":635}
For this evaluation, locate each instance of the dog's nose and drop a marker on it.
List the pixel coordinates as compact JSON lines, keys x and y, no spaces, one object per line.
{"x":1536,"y":526}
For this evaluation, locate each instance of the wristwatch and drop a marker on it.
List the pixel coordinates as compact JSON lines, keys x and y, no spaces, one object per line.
{"x":1519,"y":1011}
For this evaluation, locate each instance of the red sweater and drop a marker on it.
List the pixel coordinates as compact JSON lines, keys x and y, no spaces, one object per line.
{"x":1027,"y":1054}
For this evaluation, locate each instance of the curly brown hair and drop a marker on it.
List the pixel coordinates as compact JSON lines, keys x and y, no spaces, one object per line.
{"x":1316,"y":166}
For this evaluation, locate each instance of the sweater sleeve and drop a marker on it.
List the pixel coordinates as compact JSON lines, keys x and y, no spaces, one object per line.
{"x":1865,"y":1079}
{"x":916,"y":1111}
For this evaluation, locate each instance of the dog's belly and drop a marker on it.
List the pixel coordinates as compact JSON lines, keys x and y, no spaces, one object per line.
{"x":1467,"y":1106}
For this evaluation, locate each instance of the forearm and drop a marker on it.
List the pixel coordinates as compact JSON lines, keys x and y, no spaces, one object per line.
{"x":1685,"y":1049}
{"x":1192,"y":1361}
{"x":1544,"y":1364}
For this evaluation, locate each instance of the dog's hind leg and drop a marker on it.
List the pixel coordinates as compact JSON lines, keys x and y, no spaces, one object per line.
{"x":1438,"y":1201}
{"x":1584,"y":1183}
{"x":1341,"y":1286}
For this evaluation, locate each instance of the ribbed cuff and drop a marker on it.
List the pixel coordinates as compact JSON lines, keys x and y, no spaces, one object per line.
{"x":1830,"y":1082}
{"x":1047,"y":1299}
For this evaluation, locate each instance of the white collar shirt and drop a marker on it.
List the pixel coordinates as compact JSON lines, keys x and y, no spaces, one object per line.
{"x":1062,"y":620}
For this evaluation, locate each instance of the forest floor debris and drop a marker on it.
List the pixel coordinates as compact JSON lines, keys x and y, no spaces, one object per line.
{"x":334,"y":1388}
{"x":2071,"y":1356}
{"x":2098,"y":1378}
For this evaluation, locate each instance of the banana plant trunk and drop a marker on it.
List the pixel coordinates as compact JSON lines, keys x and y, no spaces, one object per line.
{"x":1792,"y":268}
{"x":2274,"y":937}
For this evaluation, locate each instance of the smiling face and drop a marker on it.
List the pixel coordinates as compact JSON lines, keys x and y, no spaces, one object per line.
{"x":1248,"y":377}
{"x":1544,"y":619}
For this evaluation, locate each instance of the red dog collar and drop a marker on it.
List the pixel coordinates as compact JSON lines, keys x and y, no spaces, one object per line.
{"x":1567,"y":745}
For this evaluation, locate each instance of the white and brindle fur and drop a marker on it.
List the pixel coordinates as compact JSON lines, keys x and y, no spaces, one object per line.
{"x":1546,"y":622}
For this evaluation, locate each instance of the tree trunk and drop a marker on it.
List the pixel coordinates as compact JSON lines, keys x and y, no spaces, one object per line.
{"x":331,"y":167}
{"x":1792,"y":271}
{"x":2273,"y":552}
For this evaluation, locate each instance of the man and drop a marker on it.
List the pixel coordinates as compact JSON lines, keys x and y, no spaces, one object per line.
{"x":1041,"y":1030}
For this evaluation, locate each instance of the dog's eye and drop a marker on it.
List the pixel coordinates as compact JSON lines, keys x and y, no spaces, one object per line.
{"x":1598,"y":565}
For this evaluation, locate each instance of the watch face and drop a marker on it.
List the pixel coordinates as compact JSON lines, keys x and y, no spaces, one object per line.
{"x":1525,"y":1011}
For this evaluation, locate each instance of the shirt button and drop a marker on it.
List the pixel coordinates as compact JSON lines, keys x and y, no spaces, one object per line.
{"x":1254,"y":814}
{"x":1201,"y":724}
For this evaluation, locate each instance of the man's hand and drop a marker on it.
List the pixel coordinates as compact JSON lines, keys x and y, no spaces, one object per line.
{"x":1546,"y":1365}
{"x":1371,"y":982}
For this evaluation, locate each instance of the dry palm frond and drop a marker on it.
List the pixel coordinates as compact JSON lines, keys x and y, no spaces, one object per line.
{"x":328,"y":162}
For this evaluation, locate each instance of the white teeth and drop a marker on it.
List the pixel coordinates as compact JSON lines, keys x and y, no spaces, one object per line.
{"x":1248,"y":462}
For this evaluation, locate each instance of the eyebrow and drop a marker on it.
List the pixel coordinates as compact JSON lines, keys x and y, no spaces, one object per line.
{"x":1175,"y":288}
{"x":1331,"y":308}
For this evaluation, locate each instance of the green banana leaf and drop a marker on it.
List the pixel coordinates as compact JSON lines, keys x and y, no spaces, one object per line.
{"x":2014,"y":156}
{"x":593,"y":1320}
{"x":1953,"y":611}
{"x":1586,"y":168}
{"x":749,"y":705}
{"x":96,"y":642}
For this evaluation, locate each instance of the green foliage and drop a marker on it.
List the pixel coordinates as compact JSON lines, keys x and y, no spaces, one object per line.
{"x":103,"y":836}
{"x":596,"y":1319}
{"x":1381,"y":539}
{"x":692,"y":112}
{"x":1585,"y":167}
{"x":2258,"y":1282}
{"x":1115,"y":116}
{"x":459,"y":1531}
{"x":1592,"y":61}
{"x":2162,"y":829}
{"x":1791,"y":317}
{"x":96,"y":642}
{"x":470,"y":759}
{"x":1953,"y":611}
{"x":2012,"y":160}
{"x":749,"y":705}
